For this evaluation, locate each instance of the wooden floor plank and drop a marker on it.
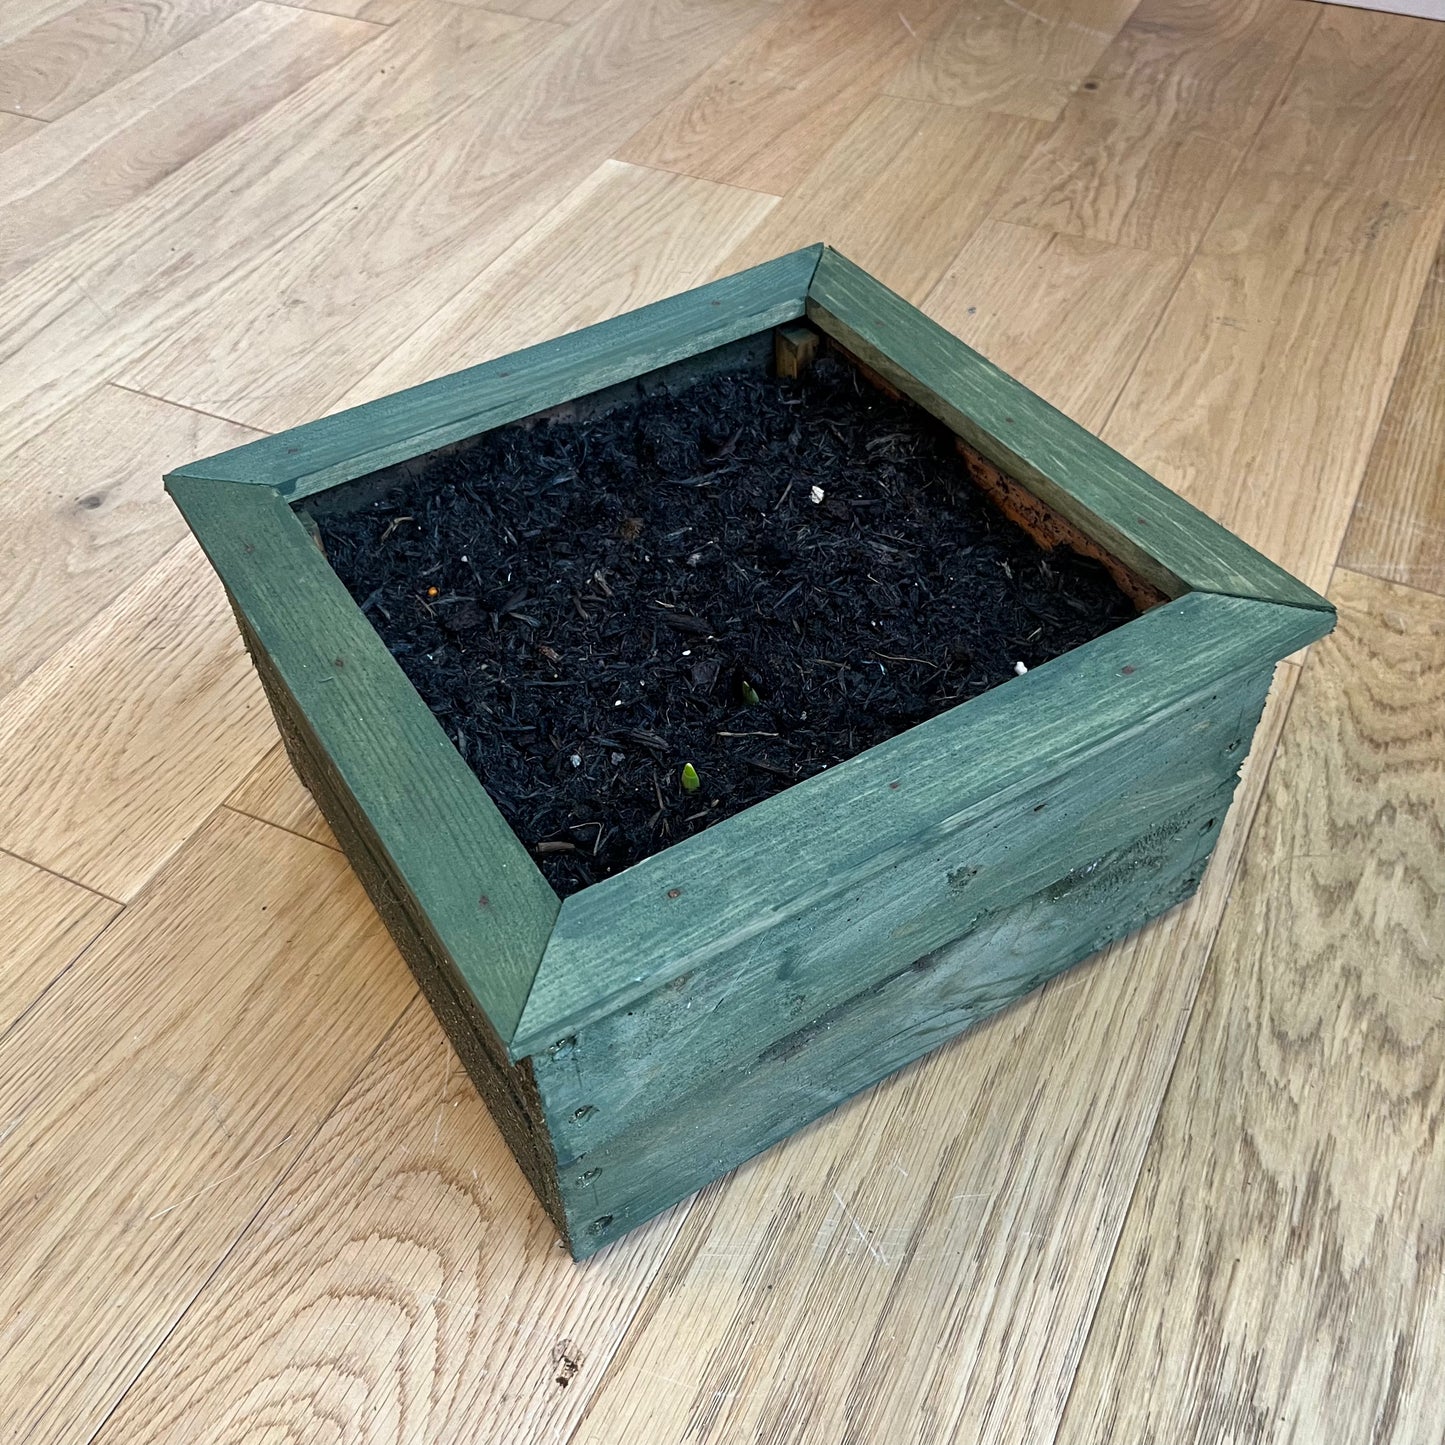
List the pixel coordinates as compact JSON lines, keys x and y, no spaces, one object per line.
{"x":82,"y":515}
{"x":626,"y":236}
{"x":133,"y":732}
{"x":402,"y":1284}
{"x":1365,"y":103}
{"x":1145,"y":150}
{"x":1024,"y":60}
{"x":276,"y":795}
{"x":302,"y":330}
{"x":157,"y":1093}
{"x":1397,"y":530}
{"x":75,"y":56}
{"x":45,"y":922}
{"x":115,"y":147}
{"x":1290,"y":268}
{"x":766,"y":112}
{"x":1279,"y":1277}
{"x":86,"y":308}
{"x":949,"y":1229}
{"x":1065,"y":315}
{"x":939,"y":168}
{"x":18,"y":17}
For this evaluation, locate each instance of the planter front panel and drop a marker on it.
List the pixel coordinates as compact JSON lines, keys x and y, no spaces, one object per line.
{"x":656,"y":1029}
{"x":775,"y":1031}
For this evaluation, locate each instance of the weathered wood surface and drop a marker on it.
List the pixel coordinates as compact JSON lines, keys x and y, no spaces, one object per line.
{"x":756,"y":1100}
{"x":623,"y":938}
{"x":321,"y":454}
{"x":1153,"y":531}
{"x":444,"y":845}
{"x":745,"y":998}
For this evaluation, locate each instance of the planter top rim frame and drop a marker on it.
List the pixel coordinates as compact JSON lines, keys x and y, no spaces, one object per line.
{"x":539,"y":968}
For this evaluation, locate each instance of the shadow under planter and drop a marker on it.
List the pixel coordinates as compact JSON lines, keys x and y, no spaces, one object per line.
{"x":652,"y":1030}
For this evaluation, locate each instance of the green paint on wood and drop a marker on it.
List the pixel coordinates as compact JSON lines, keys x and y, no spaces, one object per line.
{"x":438,"y":834}
{"x":669,"y":1022}
{"x":744,"y":1108}
{"x":674,"y":912}
{"x":1152,"y":530}
{"x":742,"y":999}
{"x":364,"y":439}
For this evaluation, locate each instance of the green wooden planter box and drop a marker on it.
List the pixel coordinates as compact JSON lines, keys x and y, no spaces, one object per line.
{"x":656,"y":1029}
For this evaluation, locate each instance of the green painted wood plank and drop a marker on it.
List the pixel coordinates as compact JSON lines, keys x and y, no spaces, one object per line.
{"x":745,"y":998}
{"x":624,"y":937}
{"x":508,"y":1090}
{"x":742,"y":1110}
{"x":321,"y":454}
{"x":443,"y":842}
{"x":1149,"y":528}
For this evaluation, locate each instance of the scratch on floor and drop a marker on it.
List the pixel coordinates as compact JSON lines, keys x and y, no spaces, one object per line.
{"x":216,"y":1183}
{"x":1060,"y":24}
{"x":860,"y":1231}
{"x":442,"y":1102}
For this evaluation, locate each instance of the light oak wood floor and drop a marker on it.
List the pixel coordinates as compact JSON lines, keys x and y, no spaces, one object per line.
{"x":1191,"y":1192}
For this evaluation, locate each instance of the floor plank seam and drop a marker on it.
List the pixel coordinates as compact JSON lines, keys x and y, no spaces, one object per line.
{"x":10,"y":1029}
{"x":280,"y":827}
{"x":335,"y":15}
{"x":185,"y":406}
{"x":74,"y":882}
{"x":1188,"y":259}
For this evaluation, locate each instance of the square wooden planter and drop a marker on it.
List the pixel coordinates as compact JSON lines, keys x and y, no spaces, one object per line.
{"x":655,"y":1029}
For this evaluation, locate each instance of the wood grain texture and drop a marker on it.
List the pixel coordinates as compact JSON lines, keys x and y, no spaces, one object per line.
{"x":1112,"y":501}
{"x":766,"y":112}
{"x":900,"y":192}
{"x":115,"y":147}
{"x":402,"y":1284}
{"x":516,"y":149}
{"x":1397,"y":529}
{"x":767,"y":998}
{"x":950,"y":771}
{"x":82,"y":515}
{"x":352,"y":443}
{"x":157,"y":1093}
{"x":1145,"y":151}
{"x":1018,"y":60}
{"x":20,"y":16}
{"x":45,"y":923}
{"x":950,"y":1229}
{"x":95,"y":45}
{"x":1066,"y":316}
{"x":116,"y":288}
{"x":744,"y":1103}
{"x":1364,"y":105}
{"x":274,"y":794}
{"x":1288,"y":265}
{"x":625,"y":237}
{"x":132,"y":732}
{"x":1294,"y":1192}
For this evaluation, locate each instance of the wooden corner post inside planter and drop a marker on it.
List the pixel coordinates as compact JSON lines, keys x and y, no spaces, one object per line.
{"x":653,"y":1030}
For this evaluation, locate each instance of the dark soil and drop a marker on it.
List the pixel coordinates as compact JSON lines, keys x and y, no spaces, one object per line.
{"x":590,"y":606}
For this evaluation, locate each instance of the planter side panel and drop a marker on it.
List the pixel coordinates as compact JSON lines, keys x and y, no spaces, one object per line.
{"x":508,"y":1090}
{"x":754,"y":1089}
{"x":747,"y":997}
